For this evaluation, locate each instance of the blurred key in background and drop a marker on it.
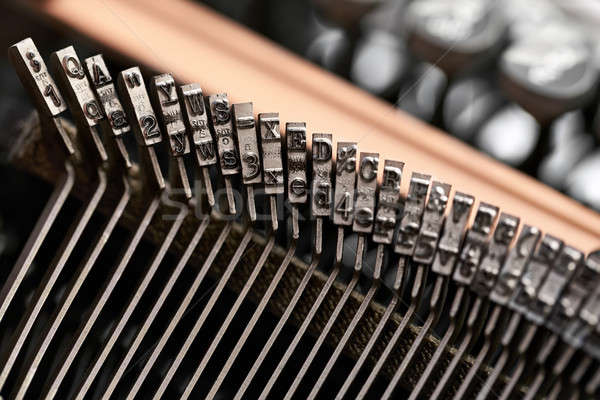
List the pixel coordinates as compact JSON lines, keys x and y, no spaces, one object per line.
{"x":517,"y":79}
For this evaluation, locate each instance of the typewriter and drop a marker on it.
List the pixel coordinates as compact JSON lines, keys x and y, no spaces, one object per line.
{"x":162,"y":239}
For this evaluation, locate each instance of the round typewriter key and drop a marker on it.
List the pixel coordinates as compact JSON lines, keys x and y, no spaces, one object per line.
{"x":581,"y":183}
{"x":338,"y":45}
{"x":423,"y":91}
{"x":509,"y":135}
{"x":562,"y":31}
{"x":547,"y":79}
{"x":554,"y":169}
{"x":331,"y":50}
{"x":566,"y":127}
{"x":468,"y":105}
{"x":526,"y":17}
{"x":379,"y":63}
{"x":454,"y":35}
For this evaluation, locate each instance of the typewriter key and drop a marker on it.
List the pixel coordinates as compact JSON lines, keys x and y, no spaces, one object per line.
{"x":510,"y":135}
{"x":547,"y":79}
{"x":195,"y":117}
{"x":483,"y":283}
{"x":270,"y":144}
{"x":363,"y":224}
{"x":424,"y":254}
{"x":444,"y":260}
{"x":144,"y":124}
{"x":556,"y":167}
{"x":423,"y":91}
{"x":245,"y":129}
{"x":455,"y":36}
{"x":81,"y":102}
{"x":106,"y":93}
{"x":34,"y":76}
{"x":163,"y":93}
{"x":345,"y":213}
{"x":297,"y":185}
{"x":580,"y":181}
{"x":383,"y":231}
{"x":222,"y":126}
{"x":345,"y":14}
{"x":322,"y":159}
{"x":469,"y":104}
{"x":525,"y":18}
{"x":522,"y":301}
{"x":321,"y":205}
{"x":136,"y":102}
{"x":476,"y":242}
{"x":405,"y":245}
{"x":80,"y":97}
{"x":166,"y":101}
{"x":379,"y":64}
